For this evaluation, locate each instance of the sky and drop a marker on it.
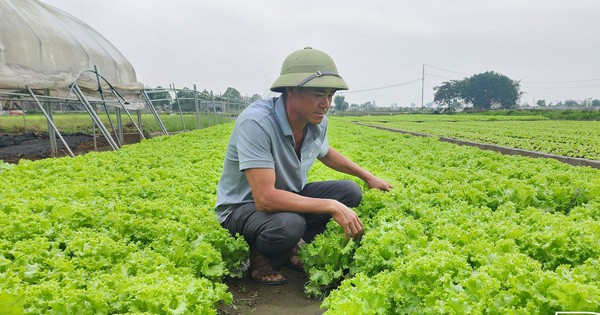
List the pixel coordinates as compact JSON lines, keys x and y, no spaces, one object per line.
{"x":389,"y":52}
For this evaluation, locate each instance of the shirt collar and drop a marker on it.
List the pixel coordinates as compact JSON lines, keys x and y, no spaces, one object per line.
{"x":284,"y":124}
{"x":281,"y":116}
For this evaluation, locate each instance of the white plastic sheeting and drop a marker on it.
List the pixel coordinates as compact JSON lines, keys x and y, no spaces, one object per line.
{"x":45,"y":48}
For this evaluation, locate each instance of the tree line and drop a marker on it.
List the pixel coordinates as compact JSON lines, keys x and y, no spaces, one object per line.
{"x":481,"y":91}
{"x":491,"y":90}
{"x":484,"y":91}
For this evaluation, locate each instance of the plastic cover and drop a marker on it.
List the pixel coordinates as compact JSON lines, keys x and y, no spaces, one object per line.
{"x":43,"y":47}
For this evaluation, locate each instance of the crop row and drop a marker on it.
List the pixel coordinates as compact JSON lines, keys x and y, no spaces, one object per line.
{"x":464,"y":231}
{"x":580,"y":139}
{"x":131,"y":231}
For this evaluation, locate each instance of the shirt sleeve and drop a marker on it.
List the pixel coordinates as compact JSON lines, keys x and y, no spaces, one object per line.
{"x":324,"y":148}
{"x":254,"y":146}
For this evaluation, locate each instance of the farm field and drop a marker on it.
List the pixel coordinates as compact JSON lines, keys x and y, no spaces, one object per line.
{"x":579,"y":139}
{"x":464,"y":231}
{"x":117,"y":232}
{"x":73,"y":122}
{"x":27,"y":137}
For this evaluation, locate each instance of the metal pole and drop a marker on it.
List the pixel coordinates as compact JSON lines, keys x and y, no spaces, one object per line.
{"x":422,"y":86}
{"x":25,"y":121}
{"x":214,"y":107}
{"x":95,"y":117}
{"x":179,"y":108}
{"x":51,"y":123}
{"x":204,"y":106}
{"x":208,"y":112}
{"x":198,"y":120}
{"x":155,"y":113}
{"x":112,"y":126}
{"x":93,"y":131}
{"x":226,"y":110}
{"x":51,"y":133}
{"x":120,"y":136}
{"x":121,"y":99}
{"x":139,"y":118}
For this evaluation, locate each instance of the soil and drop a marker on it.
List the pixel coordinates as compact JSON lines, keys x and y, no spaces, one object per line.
{"x":249,"y":297}
{"x":36,"y":146}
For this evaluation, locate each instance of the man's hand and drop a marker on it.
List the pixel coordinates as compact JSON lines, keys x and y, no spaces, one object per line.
{"x":379,"y":183}
{"x":347,"y":219}
{"x":335,"y":160}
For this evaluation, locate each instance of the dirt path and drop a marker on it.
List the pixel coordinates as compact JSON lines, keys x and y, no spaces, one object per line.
{"x":255,"y":298}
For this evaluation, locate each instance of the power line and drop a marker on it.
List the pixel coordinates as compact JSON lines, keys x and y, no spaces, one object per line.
{"x":438,"y":76}
{"x":446,"y":70}
{"x":549,"y":84}
{"x":386,"y":87}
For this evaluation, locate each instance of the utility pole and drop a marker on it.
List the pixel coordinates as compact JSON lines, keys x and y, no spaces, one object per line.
{"x":422,"y":86}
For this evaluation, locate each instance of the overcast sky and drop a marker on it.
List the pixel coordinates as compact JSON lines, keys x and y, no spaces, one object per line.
{"x":379,"y":46}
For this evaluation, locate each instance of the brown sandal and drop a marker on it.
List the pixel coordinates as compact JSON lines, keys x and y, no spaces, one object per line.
{"x":294,"y":261}
{"x":260,"y":268}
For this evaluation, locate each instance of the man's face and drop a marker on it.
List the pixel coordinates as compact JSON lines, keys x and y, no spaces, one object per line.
{"x":309,"y":105}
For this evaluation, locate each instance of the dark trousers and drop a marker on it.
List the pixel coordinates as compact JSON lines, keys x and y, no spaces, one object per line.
{"x":275,"y":233}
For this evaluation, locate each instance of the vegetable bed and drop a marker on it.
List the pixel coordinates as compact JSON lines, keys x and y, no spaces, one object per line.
{"x":464,"y":231}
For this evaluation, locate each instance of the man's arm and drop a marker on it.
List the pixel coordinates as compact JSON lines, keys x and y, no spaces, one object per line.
{"x":340,"y":163}
{"x":269,"y":199}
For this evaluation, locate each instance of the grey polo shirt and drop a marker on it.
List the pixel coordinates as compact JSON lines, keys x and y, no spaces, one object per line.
{"x":262,"y":138}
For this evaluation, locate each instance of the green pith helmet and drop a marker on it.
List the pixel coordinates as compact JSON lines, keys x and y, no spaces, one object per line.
{"x":308,"y":68}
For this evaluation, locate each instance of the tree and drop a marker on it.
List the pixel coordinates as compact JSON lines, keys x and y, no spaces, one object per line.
{"x":205,"y":95}
{"x":449,"y":92}
{"x":232,"y":95}
{"x":481,"y":90}
{"x":368,"y":106}
{"x":255,"y":97}
{"x":340,"y":103}
{"x":185,"y":99}
{"x":486,"y":89}
{"x":571,"y":103}
{"x":160,"y":97}
{"x":233,"y":98}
